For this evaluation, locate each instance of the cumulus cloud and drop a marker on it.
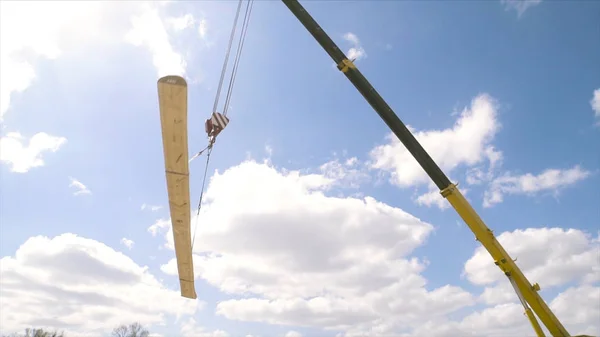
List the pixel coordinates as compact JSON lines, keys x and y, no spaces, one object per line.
{"x":127,"y":243}
{"x":36,"y":28}
{"x":70,"y":282}
{"x":575,"y":261}
{"x":287,"y":252}
{"x":268,"y":150}
{"x":190,"y":328}
{"x":433,"y":198}
{"x":466,"y":143}
{"x":507,"y":319}
{"x":80,"y":188}
{"x":181,"y":22}
{"x":575,"y":258}
{"x":356,"y":52}
{"x":550,"y":180}
{"x":188,"y":21}
{"x":595,"y":103}
{"x":150,"y":31}
{"x":520,"y":6}
{"x":30,"y":31}
{"x":584,"y":321}
{"x":301,"y":257}
{"x":159,"y":225}
{"x":347,"y":173}
{"x":20,"y":157}
{"x":152,"y":208}
{"x":478,"y":174}
{"x":202,"y":28}
{"x":291,"y":254}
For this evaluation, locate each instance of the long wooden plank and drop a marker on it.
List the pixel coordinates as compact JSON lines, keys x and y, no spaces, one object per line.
{"x":172,"y":97}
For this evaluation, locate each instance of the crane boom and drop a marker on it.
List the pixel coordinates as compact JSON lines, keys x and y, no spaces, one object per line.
{"x":527,"y":292}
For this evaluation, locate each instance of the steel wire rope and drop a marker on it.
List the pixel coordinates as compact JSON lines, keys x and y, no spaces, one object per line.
{"x":228,"y":95}
{"x":226,"y":61}
{"x":236,"y":61}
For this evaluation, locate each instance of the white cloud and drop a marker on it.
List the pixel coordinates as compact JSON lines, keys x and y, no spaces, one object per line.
{"x":477,"y":175}
{"x":508,"y":319}
{"x":181,"y":22}
{"x":35,"y":29}
{"x":127,"y":243}
{"x":80,"y":188}
{"x":22,"y":158}
{"x":301,"y":257}
{"x":584,"y":320}
{"x":202,"y":28}
{"x":348,"y":173}
{"x":595,"y":103}
{"x":541,"y":258}
{"x":498,"y":321}
{"x":269,"y":150}
{"x":520,"y":6}
{"x":501,"y":293}
{"x":152,"y":208}
{"x":190,"y":328}
{"x":287,"y":253}
{"x":88,"y":286}
{"x":159,"y":226}
{"x":550,"y":180}
{"x":433,"y":198}
{"x":150,"y":31}
{"x":467,"y":143}
{"x":356,"y":52}
{"x":293,"y":333}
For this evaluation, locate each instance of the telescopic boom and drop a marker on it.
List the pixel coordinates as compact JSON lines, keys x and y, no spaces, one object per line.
{"x":527,"y":293}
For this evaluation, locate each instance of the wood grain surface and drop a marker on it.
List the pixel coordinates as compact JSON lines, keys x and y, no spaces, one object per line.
{"x":172,"y":96}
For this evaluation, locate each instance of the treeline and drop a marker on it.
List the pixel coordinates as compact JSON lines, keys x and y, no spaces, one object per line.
{"x":131,"y":330}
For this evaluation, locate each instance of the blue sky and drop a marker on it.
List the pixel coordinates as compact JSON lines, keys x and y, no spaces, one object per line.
{"x":310,"y":195}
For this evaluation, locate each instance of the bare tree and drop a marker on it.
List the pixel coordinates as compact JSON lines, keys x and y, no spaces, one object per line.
{"x":120,"y":331}
{"x":131,"y":330}
{"x":33,"y":332}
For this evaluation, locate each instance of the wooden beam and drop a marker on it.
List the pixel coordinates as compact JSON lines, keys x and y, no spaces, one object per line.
{"x":172,"y":97}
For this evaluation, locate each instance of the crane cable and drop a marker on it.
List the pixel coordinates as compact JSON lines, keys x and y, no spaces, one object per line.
{"x":225,"y":61}
{"x":236,"y":62}
{"x":238,"y":55}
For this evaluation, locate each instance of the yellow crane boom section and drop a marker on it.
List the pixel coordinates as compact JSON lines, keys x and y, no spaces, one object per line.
{"x":525,"y":290}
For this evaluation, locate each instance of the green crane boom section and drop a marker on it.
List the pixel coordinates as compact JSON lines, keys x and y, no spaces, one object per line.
{"x":527,"y":293}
